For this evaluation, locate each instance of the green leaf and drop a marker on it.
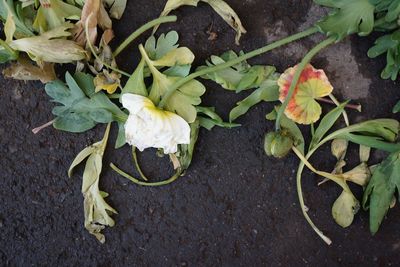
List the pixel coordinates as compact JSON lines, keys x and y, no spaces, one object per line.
{"x":81,"y":157}
{"x":268,"y":91}
{"x":185,"y":153}
{"x":80,"y":112}
{"x":121,"y":141}
{"x":178,"y":71}
{"x":213,"y":119}
{"x":85,"y":82}
{"x":396,"y":108}
{"x":344,"y":209}
{"x":55,"y":15}
{"x":390,"y":45}
{"x":384,"y":129}
{"x":355,"y":16}
{"x":117,"y":8}
{"x":7,"y":53}
{"x":239,"y":77}
{"x":381,"y":189}
{"x":165,"y":43}
{"x":23,"y":29}
{"x":183,"y":100}
{"x":371,"y":141}
{"x":326,"y":124}
{"x":135,"y":84}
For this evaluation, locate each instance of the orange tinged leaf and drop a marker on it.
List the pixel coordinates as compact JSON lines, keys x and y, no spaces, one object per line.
{"x":313,"y":84}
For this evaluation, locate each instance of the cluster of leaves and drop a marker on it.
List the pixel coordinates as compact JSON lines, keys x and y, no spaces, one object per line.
{"x":97,"y":211}
{"x":166,"y":63}
{"x":162,"y":65}
{"x":50,"y":31}
{"x":241,"y":77}
{"x":81,"y":107}
{"x":363,"y":17}
{"x":379,"y":134}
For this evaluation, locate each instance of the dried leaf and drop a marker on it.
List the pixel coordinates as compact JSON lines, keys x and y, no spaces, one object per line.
{"x":25,"y":70}
{"x":219,"y":6}
{"x":94,"y":11}
{"x":96,"y":210}
{"x":229,"y":15}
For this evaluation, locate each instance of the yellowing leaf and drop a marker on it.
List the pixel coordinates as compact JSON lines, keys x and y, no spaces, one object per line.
{"x":219,"y":6}
{"x":48,"y":48}
{"x":9,"y":27}
{"x":183,"y":100}
{"x":229,"y":15}
{"x":109,"y":82}
{"x":344,"y":209}
{"x":53,"y":13}
{"x":96,"y":210}
{"x":313,"y":84}
{"x":178,"y":56}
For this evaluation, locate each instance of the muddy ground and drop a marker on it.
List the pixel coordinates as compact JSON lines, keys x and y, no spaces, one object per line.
{"x":235,"y":206}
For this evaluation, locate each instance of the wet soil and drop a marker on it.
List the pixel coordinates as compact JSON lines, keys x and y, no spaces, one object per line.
{"x":235,"y":206}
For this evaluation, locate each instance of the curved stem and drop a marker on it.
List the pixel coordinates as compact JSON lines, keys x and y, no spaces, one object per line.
{"x":307,"y":58}
{"x":303,"y":206}
{"x":235,"y":61}
{"x":137,"y":165}
{"x":141,"y":30}
{"x":138,"y":182}
{"x":337,"y":179}
{"x":96,"y":56}
{"x":299,"y":187}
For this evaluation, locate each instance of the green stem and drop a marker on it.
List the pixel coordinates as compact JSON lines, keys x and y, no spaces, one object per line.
{"x":11,"y":51}
{"x":141,"y":30}
{"x":137,"y":165}
{"x":303,"y":206}
{"x":235,"y":61}
{"x":95,"y":54}
{"x":138,"y":182}
{"x":297,"y":75}
{"x":299,"y":178}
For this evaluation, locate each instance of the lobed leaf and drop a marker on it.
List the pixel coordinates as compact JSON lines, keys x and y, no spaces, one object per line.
{"x":380,"y":191}
{"x":78,"y":111}
{"x":355,"y":16}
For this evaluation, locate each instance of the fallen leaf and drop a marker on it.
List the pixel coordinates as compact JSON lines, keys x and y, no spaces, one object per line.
{"x":25,"y":70}
{"x":313,"y":84}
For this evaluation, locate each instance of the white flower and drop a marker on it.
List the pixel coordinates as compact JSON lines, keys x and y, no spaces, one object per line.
{"x":147,"y":126}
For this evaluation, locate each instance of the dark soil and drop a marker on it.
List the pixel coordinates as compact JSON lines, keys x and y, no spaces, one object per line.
{"x":235,"y":206}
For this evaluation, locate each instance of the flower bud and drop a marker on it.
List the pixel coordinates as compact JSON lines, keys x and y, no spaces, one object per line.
{"x":339,"y":148}
{"x":278,"y":144}
{"x":359,"y":175}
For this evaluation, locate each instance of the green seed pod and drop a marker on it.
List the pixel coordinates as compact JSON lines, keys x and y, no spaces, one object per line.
{"x":278,"y":144}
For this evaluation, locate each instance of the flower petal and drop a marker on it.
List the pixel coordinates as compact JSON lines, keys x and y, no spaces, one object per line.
{"x":147,"y":126}
{"x":134,"y":103}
